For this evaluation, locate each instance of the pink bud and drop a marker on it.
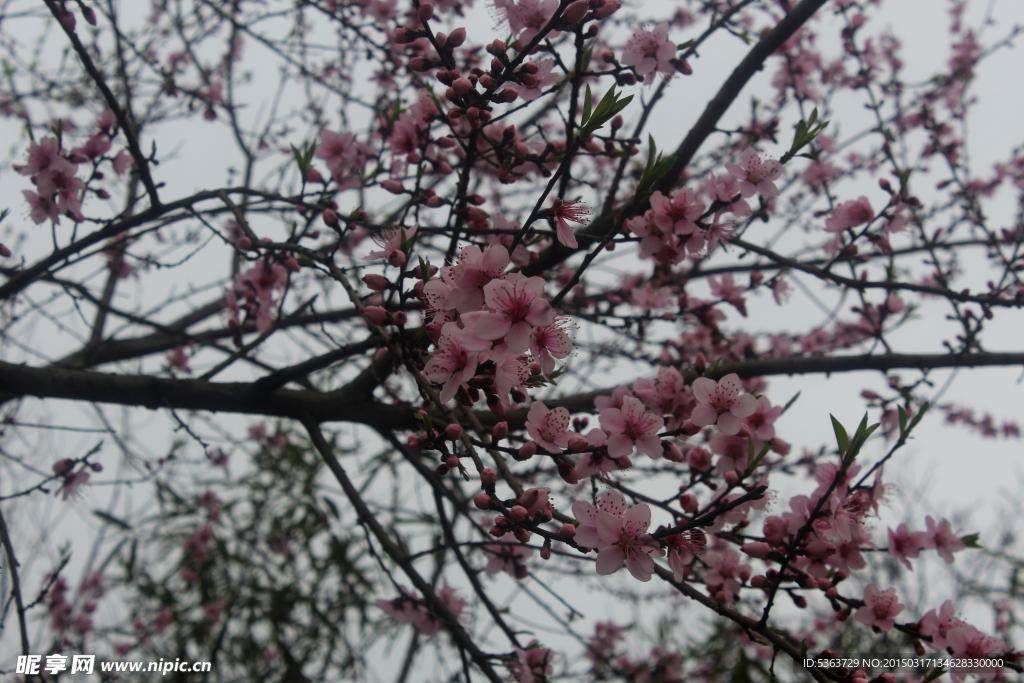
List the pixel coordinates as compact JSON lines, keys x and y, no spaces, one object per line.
{"x":758,"y":581}
{"x":509,"y":94}
{"x":451,"y":461}
{"x":441,"y":470}
{"x":482,"y":501}
{"x":462,"y":86}
{"x":731,"y":478}
{"x":520,"y":150}
{"x":522,"y":535}
{"x":375,"y":315}
{"x":399,"y":317}
{"x":500,"y":431}
{"x":757,"y":549}
{"x":496,"y":531}
{"x":457,"y":37}
{"x":96,"y":467}
{"x":89,"y":14}
{"x":330,"y":218}
{"x":488,"y":476}
{"x":4,"y":251}
{"x":486,"y":81}
{"x":518,"y":513}
{"x":575,"y":12}
{"x":446,"y":142}
{"x":497,"y":47}
{"x":419,"y":64}
{"x":291,"y":265}
{"x":496,"y":65}
{"x":68,"y":21}
{"x":442,"y":38}
{"x":609,"y":8}
{"x":526,"y":451}
{"x":672,"y":452}
{"x":453,"y":431}
{"x":578,"y":444}
{"x":425,"y":12}
{"x":688,"y":502}
{"x":568,"y":531}
{"x":106,"y":119}
{"x":435,"y":202}
{"x":529,"y":80}
{"x":454,"y":113}
{"x":403,"y":36}
{"x":62,"y":466}
{"x":607,"y":56}
{"x":377,"y":283}
{"x":392,"y":186}
{"x":531,"y":67}
{"x":545,"y":550}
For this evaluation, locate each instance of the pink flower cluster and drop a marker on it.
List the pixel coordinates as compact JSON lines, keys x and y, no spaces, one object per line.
{"x":481,"y":314}
{"x":619,"y":534}
{"x":408,"y":609}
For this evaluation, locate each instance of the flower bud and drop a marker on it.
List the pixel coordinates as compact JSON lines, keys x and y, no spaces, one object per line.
{"x":89,"y":14}
{"x":486,"y":81}
{"x":392,"y":186}
{"x":518,"y":513}
{"x":526,"y":451}
{"x":454,"y":113}
{"x":457,"y":37}
{"x":529,"y":80}
{"x":442,"y":38}
{"x":482,"y":501}
{"x":68,"y":21}
{"x":453,"y":432}
{"x":575,"y":12}
{"x":757,"y":549}
{"x":496,"y":65}
{"x":496,"y":531}
{"x":832,"y":593}
{"x":62,"y":466}
{"x":800,"y":601}
{"x":420,"y":64}
{"x":531,"y":67}
{"x":425,"y":12}
{"x":451,"y":461}
{"x":758,"y":581}
{"x":545,"y":550}
{"x":488,"y":476}
{"x":441,"y":470}
{"x":509,"y":94}
{"x":497,"y":47}
{"x":377,"y":283}
{"x":568,"y":531}
{"x":529,"y":497}
{"x":403,"y":36}
{"x":578,"y":444}
{"x":609,"y":8}
{"x":688,"y":502}
{"x":462,"y":86}
{"x":520,"y":150}
{"x":522,"y":535}
{"x":375,"y":315}
{"x":732,"y":478}
{"x":500,"y":431}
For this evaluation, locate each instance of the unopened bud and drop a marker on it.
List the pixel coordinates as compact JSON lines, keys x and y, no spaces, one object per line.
{"x":522,"y":535}
{"x":496,"y":531}
{"x":545,"y":550}
{"x":89,"y":14}
{"x":457,"y":37}
{"x":578,"y":444}
{"x":526,"y":451}
{"x":482,"y":501}
{"x":452,"y":462}
{"x":453,"y":432}
{"x":500,"y":431}
{"x":688,"y":502}
{"x":568,"y":531}
{"x":609,"y":8}
{"x":575,"y":12}
{"x":509,"y":94}
{"x":757,"y":549}
{"x":392,"y":186}
{"x":375,"y":315}
{"x":462,"y":86}
{"x":403,"y":36}
{"x":488,"y":476}
{"x":758,"y":581}
{"x":377,"y":283}
{"x":419,"y":64}
{"x":425,"y":12}
{"x":518,"y":513}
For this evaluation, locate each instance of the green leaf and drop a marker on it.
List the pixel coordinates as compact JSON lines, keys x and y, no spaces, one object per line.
{"x":791,"y":402}
{"x":588,"y":104}
{"x":587,"y":55}
{"x":933,"y":674}
{"x":903,"y":421}
{"x":971,"y":540}
{"x":111,"y":519}
{"x":841,"y":438}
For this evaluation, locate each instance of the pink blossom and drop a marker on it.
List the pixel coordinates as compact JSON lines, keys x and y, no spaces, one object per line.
{"x":72,"y":485}
{"x":471,"y":272}
{"x":940,"y":537}
{"x":43,"y":156}
{"x":511,"y":370}
{"x":647,"y":51}
{"x":121,"y":162}
{"x":532,"y":664}
{"x":40,"y":208}
{"x":451,"y":599}
{"x":850,"y":214}
{"x":564,"y":212}
{"x":726,"y":572}
{"x":904,"y":544}
{"x":880,"y":608}
{"x":755,"y":175}
{"x":630,"y":426}
{"x":517,"y":305}
{"x":177,"y":360}
{"x":625,"y":540}
{"x":727,"y":290}
{"x":761,"y":422}
{"x":526,"y":17}
{"x":545,"y":76}
{"x":968,"y":644}
{"x":677,"y":215}
{"x":612,"y":502}
{"x":456,"y":359}
{"x":343,"y":156}
{"x":508,"y":557}
{"x":549,"y":428}
{"x":681,"y":549}
{"x":392,"y":245}
{"x":938,"y":625}
{"x":721,"y":403}
{"x":551,"y":342}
